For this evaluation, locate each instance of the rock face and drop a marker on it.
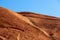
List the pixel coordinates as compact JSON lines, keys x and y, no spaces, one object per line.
{"x":48,"y":23}
{"x":28,"y":26}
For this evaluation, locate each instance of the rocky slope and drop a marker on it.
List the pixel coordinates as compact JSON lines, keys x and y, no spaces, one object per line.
{"x":28,"y":26}
{"x":48,"y":23}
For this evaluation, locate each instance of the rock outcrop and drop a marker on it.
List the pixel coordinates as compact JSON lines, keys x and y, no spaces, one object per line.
{"x":48,"y":23}
{"x":28,"y":26}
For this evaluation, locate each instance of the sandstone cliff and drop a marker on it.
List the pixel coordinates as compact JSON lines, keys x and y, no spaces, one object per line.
{"x":28,"y":26}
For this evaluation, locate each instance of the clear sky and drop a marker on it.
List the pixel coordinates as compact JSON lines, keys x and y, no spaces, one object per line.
{"x":47,"y":7}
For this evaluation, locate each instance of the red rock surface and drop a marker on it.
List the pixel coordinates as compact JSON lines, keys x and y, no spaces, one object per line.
{"x":28,"y":26}
{"x":48,"y":23}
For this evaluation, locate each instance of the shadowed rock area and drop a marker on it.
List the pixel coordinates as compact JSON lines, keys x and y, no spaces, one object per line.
{"x":28,"y":26}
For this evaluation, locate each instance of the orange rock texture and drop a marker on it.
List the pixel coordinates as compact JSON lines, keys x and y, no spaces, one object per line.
{"x":28,"y":26}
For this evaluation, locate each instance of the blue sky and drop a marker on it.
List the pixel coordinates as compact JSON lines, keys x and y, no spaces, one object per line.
{"x":47,"y":7}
